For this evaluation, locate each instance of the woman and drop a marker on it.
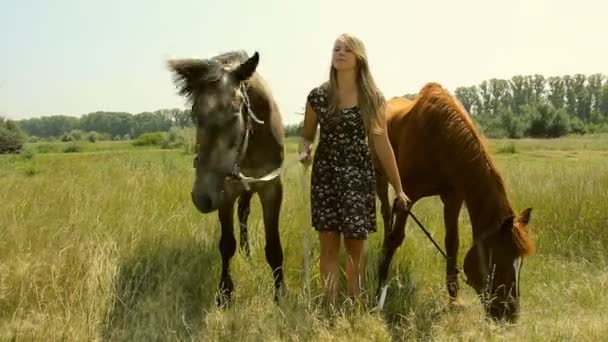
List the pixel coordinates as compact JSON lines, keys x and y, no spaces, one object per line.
{"x":349,"y":109}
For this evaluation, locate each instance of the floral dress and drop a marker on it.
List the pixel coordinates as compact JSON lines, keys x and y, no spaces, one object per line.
{"x":343,"y":183}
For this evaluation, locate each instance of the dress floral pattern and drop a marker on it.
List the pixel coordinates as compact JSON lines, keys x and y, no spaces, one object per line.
{"x":343,"y":183}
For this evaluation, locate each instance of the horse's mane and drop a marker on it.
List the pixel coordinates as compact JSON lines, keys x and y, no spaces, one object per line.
{"x":443,"y":109}
{"x":447,"y":116}
{"x":233,"y":58}
{"x":194,"y":74}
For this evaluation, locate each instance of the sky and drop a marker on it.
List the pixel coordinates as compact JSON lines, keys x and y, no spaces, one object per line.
{"x":61,"y":57}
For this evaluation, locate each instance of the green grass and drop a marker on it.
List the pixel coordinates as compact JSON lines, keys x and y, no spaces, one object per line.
{"x":105,"y":244}
{"x":85,"y":146}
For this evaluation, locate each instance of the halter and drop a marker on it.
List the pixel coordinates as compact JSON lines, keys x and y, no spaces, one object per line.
{"x":243,"y":92}
{"x":242,"y":149}
{"x":489,"y":269}
{"x":480,"y":252}
{"x":248,"y":115}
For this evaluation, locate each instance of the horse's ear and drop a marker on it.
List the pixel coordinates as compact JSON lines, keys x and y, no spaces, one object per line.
{"x":247,"y":68}
{"x":524,"y":217}
{"x":507,"y":224}
{"x":187,"y":71}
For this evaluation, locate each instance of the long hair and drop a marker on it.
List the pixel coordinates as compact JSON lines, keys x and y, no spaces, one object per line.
{"x":371,"y":101}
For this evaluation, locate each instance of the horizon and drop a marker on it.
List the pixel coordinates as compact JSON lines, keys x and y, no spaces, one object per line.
{"x":72,"y":59}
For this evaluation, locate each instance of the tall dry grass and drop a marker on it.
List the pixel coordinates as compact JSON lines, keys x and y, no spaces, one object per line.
{"x":107,"y":246}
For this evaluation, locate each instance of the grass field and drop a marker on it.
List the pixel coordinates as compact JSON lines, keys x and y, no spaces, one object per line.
{"x":105,"y":244}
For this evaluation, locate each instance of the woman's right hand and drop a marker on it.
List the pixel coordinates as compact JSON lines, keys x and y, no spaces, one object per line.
{"x":305,"y":152}
{"x":403,"y":201}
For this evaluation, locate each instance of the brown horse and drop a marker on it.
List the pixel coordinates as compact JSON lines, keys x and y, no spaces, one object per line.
{"x":440,"y":153}
{"x":240,"y":140}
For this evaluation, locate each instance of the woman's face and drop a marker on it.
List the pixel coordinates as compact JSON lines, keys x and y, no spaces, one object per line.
{"x":343,"y":57}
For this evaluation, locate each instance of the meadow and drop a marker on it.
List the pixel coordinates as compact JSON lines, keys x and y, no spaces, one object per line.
{"x":105,"y":244}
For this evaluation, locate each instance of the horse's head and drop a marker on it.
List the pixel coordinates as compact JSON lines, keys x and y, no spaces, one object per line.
{"x":493,"y":264}
{"x":219,"y":111}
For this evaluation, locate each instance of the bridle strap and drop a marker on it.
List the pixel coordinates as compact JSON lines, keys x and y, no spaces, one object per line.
{"x":243,"y":91}
{"x":235,"y":172}
{"x":247,"y":117}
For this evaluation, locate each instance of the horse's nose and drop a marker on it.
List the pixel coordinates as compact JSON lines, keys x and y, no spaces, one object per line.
{"x":202,"y":202}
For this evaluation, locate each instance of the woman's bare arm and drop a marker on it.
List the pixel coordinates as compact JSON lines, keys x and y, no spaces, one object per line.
{"x":309,"y":132}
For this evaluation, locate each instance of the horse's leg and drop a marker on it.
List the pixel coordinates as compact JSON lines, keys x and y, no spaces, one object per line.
{"x":243,"y":209}
{"x":271,"y":197}
{"x":385,"y":206}
{"x":391,"y":243}
{"x":451,"y":210}
{"x":227,"y":249}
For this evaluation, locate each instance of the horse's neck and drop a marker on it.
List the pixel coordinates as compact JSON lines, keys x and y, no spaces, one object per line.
{"x":265,"y":150}
{"x":487,"y":203}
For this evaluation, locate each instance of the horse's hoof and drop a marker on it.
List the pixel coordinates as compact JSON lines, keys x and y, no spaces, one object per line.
{"x":279,"y":294}
{"x":457,"y":302}
{"x":223,"y":299}
{"x":222,"y":302}
{"x":246,"y":254}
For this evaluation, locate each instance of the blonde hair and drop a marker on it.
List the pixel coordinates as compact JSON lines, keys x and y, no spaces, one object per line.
{"x":372,"y":103}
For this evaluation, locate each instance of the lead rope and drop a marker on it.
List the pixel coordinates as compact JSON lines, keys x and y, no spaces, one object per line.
{"x":307,"y":239}
{"x":408,"y":211}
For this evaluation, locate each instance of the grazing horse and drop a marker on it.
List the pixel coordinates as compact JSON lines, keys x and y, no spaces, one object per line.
{"x":440,"y":153}
{"x":240,"y":141}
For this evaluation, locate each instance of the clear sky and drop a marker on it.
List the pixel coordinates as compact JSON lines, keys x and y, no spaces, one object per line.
{"x":75,"y":57}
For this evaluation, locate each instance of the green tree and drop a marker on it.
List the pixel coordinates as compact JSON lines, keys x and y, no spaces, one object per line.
{"x":11,"y":137}
{"x":603,"y":101}
{"x":594,"y":88}
{"x":557,"y":92}
{"x":520,"y":93}
{"x":469,"y":97}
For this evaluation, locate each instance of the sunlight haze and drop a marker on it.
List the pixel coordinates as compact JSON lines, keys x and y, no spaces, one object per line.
{"x":76,"y":57}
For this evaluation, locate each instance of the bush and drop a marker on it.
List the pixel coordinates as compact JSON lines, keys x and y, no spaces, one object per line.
{"x":93,"y":137}
{"x":509,"y":148}
{"x":67,"y":137}
{"x":150,"y":139}
{"x":47,"y":148}
{"x":547,"y":122}
{"x":11,"y":137}
{"x":492,"y":127}
{"x":577,"y":126}
{"x":515,"y":126}
{"x":598,"y":128}
{"x":28,"y":153}
{"x":179,"y":137}
{"x":73,"y":135}
{"x":72,"y":147}
{"x":560,"y":125}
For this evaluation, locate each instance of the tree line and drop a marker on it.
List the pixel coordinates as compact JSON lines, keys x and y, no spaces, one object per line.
{"x":538,"y":106}
{"x":532,"y":106}
{"x":108,"y":125}
{"x":522,"y":106}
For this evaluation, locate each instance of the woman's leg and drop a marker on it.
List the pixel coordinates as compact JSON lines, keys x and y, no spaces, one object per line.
{"x":355,"y":266}
{"x":329,"y":263}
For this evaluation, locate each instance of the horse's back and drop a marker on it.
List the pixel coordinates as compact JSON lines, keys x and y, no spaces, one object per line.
{"x":414,"y":128}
